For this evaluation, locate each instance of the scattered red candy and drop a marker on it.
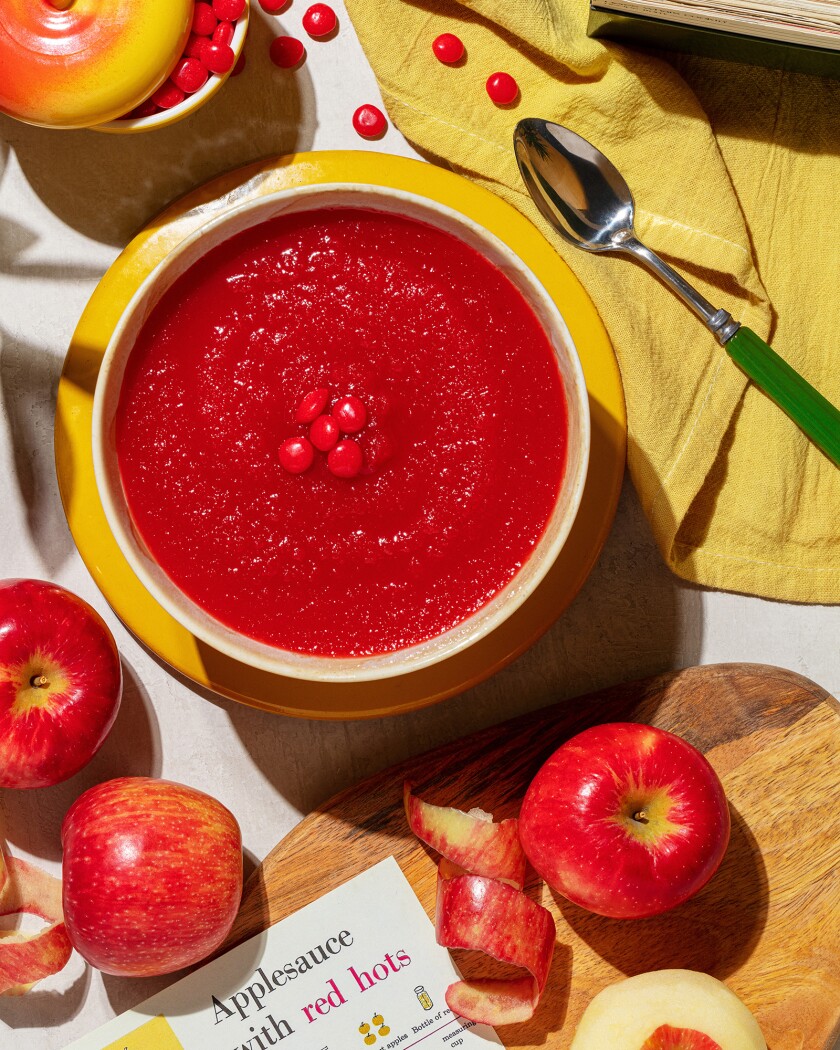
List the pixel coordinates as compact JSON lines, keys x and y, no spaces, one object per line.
{"x":324,"y":433}
{"x":286,"y":51}
{"x":296,"y":455}
{"x":223,"y":33}
{"x":448,"y":48}
{"x":218,"y":58}
{"x":502,"y":88}
{"x":350,"y":414}
{"x":204,"y":21}
{"x":168,"y":95}
{"x":369,"y":122}
{"x":345,"y":460}
{"x":312,"y":405}
{"x":319,"y":20}
{"x":240,"y":65}
{"x":189,"y":75}
{"x":228,"y":10}
{"x":273,"y":6}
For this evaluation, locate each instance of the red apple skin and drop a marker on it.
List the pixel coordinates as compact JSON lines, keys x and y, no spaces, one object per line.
{"x":152,"y":875}
{"x":579,"y":831}
{"x":49,"y":732}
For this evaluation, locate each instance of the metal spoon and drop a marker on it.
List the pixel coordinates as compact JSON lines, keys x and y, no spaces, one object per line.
{"x":588,"y":202}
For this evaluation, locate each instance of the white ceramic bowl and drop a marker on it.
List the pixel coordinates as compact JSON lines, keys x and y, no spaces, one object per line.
{"x":197,"y":620}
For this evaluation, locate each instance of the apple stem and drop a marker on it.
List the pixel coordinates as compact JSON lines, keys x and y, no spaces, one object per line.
{"x":38,"y":681}
{"x":62,"y":5}
{"x":641,"y":817}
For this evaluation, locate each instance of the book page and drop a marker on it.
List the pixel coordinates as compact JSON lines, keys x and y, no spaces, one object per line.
{"x":357,"y":968}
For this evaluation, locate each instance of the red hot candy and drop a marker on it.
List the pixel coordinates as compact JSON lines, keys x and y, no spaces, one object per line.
{"x":194,"y":46}
{"x":189,"y":75}
{"x":168,"y":95}
{"x":223,"y":33}
{"x":312,"y":405}
{"x":218,"y":58}
{"x":324,"y":433}
{"x":296,"y":455}
{"x":350,"y":414}
{"x":273,"y":6}
{"x":286,"y":51}
{"x":502,"y":88}
{"x":240,"y":65}
{"x":448,"y":48}
{"x":204,"y":21}
{"x":369,"y":122}
{"x":319,"y":20}
{"x":228,"y":10}
{"x":345,"y":460}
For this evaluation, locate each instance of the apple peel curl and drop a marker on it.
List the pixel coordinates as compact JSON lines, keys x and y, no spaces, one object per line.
{"x":475,"y":912}
{"x":25,"y":960}
{"x":472,"y":841}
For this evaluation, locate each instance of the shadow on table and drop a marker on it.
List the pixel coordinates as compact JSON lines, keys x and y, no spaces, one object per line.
{"x":31,"y":820}
{"x":27,"y":379}
{"x":714,"y":932}
{"x":108,"y":186}
{"x":51,"y":1009}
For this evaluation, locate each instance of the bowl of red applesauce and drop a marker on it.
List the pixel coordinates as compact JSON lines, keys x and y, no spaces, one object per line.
{"x":341,"y":432}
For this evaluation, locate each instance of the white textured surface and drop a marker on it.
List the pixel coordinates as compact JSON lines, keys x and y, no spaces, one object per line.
{"x":68,"y":202}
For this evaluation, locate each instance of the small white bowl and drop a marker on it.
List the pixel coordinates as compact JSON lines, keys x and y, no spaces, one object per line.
{"x":199,"y":622}
{"x":192,"y":102}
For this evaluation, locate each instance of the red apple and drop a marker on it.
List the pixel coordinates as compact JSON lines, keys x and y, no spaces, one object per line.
{"x":152,"y":875}
{"x":625,"y":820}
{"x":60,"y":683}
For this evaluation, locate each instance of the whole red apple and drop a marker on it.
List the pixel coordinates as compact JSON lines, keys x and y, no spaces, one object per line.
{"x":60,"y":683}
{"x":152,"y":875}
{"x":625,"y":820}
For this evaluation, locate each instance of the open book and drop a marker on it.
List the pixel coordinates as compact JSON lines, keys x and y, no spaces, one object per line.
{"x":812,"y":22}
{"x":801,"y":35}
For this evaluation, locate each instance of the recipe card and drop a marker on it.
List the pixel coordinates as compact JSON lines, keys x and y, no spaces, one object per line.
{"x":357,"y":968}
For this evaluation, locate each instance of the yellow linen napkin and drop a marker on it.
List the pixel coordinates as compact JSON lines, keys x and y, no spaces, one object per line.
{"x":736,"y":176}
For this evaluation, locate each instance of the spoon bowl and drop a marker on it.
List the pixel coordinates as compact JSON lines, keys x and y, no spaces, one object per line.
{"x":577,"y":189}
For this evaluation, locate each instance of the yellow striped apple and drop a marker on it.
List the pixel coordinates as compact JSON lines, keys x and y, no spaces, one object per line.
{"x":152,"y":875}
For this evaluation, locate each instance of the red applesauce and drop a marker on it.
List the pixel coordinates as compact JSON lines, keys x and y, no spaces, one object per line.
{"x":464,"y":447}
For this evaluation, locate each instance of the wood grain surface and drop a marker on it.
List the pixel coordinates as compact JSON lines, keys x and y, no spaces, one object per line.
{"x":768,"y":923}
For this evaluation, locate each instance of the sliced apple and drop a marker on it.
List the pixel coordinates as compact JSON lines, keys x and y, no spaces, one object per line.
{"x":484,"y":914}
{"x":25,"y":960}
{"x":472,"y":841}
{"x":668,"y":1010}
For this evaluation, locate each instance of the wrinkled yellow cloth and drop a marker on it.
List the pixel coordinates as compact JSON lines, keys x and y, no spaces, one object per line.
{"x":736,"y":175}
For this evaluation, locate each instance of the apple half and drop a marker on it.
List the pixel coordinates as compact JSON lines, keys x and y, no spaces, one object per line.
{"x":668,"y":1010}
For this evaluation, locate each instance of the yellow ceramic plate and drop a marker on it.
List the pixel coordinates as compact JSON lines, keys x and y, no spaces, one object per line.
{"x":164,"y":635}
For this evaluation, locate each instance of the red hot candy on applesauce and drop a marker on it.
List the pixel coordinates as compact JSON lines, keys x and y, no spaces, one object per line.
{"x":448,"y":485}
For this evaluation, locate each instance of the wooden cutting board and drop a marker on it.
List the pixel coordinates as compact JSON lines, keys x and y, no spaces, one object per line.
{"x":768,"y":923}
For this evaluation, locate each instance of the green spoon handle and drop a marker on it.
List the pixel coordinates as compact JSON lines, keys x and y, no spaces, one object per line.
{"x":816,"y":417}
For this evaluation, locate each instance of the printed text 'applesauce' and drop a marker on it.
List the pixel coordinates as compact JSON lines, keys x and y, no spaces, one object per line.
{"x":252,"y":999}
